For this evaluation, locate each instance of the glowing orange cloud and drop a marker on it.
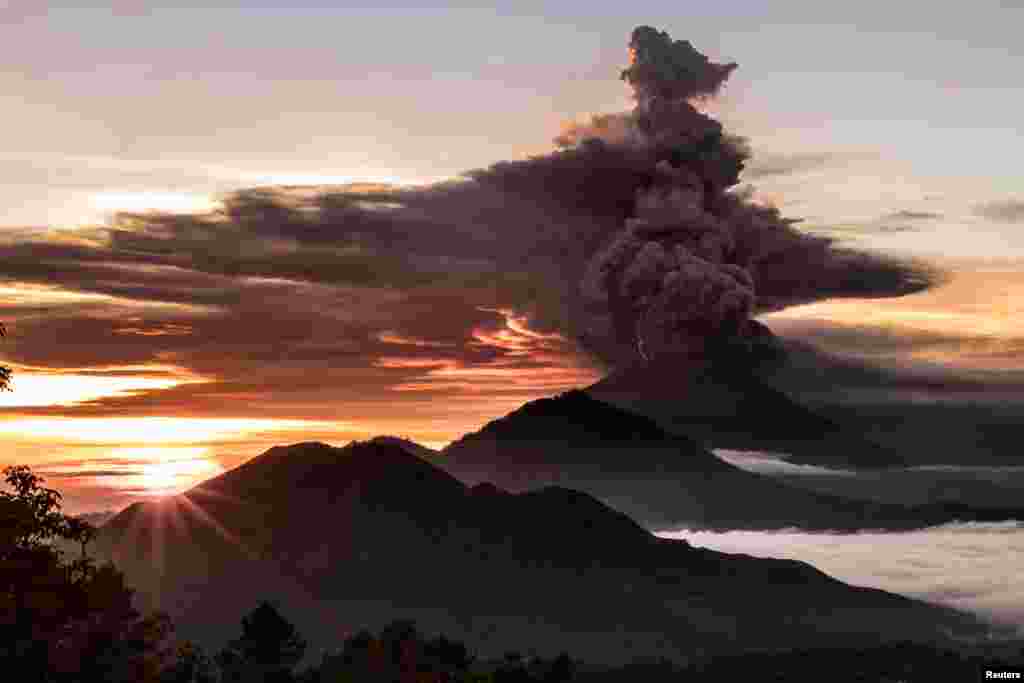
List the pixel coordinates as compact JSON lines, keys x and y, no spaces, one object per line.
{"x":554,"y":366}
{"x":153,"y":430}
{"x":393,"y":338}
{"x":34,"y":390}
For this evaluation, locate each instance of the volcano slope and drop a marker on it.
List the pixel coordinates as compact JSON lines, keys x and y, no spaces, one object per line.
{"x":660,"y":479}
{"x":735,"y":399}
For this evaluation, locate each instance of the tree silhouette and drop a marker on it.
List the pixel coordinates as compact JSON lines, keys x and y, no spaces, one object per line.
{"x":192,"y":665}
{"x":65,"y":621}
{"x":398,"y":654}
{"x":448,"y":656}
{"x":559,"y":670}
{"x":513,"y":669}
{"x":5,"y":372}
{"x":268,"y":650}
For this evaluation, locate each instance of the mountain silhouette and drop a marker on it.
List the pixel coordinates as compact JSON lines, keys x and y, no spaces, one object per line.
{"x":662,"y":480}
{"x":345,"y":538}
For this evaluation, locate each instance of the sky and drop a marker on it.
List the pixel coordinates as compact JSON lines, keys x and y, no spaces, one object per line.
{"x":893,"y":127}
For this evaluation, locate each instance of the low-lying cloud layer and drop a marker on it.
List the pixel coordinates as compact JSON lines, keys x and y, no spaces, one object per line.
{"x":775,"y":464}
{"x":971,"y":566}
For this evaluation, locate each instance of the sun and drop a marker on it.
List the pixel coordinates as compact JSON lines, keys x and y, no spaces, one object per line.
{"x":173,"y":474}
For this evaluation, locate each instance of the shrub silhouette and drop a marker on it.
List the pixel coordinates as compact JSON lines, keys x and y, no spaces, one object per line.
{"x":268,"y":650}
{"x":191,"y":665}
{"x":5,"y":372}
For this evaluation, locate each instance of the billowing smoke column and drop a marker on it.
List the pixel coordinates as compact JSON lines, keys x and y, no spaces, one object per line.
{"x":677,"y":277}
{"x":670,"y":254}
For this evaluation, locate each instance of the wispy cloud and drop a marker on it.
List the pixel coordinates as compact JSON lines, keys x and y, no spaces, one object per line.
{"x":767,"y":165}
{"x":906,"y":215}
{"x":772,"y":463}
{"x":1002,"y":211}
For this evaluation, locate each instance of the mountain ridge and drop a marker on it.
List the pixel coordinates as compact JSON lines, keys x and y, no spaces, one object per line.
{"x":376,"y":533}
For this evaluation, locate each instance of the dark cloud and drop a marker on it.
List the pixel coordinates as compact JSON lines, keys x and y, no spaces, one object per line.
{"x":269,"y":347}
{"x":1005,"y":211}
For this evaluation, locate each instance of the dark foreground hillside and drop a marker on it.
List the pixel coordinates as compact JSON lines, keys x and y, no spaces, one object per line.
{"x":890,"y":663}
{"x":346,"y":538}
{"x":400,"y":652}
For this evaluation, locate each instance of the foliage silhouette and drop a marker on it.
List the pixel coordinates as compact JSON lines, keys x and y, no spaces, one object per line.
{"x":66,"y":620}
{"x":401,"y":653}
{"x":191,"y":665}
{"x":5,"y":372}
{"x":268,"y":650}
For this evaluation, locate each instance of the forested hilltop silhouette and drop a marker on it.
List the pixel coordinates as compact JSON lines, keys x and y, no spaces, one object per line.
{"x":268,"y":647}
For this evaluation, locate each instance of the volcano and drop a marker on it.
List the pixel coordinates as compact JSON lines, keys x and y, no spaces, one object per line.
{"x":732,"y":400}
{"x":664,"y":480}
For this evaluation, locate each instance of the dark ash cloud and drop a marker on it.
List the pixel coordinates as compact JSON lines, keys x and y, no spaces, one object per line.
{"x":682,"y":259}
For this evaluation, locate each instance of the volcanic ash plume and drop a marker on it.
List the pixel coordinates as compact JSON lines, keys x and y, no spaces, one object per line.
{"x":685,"y":270}
{"x":672,"y":277}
